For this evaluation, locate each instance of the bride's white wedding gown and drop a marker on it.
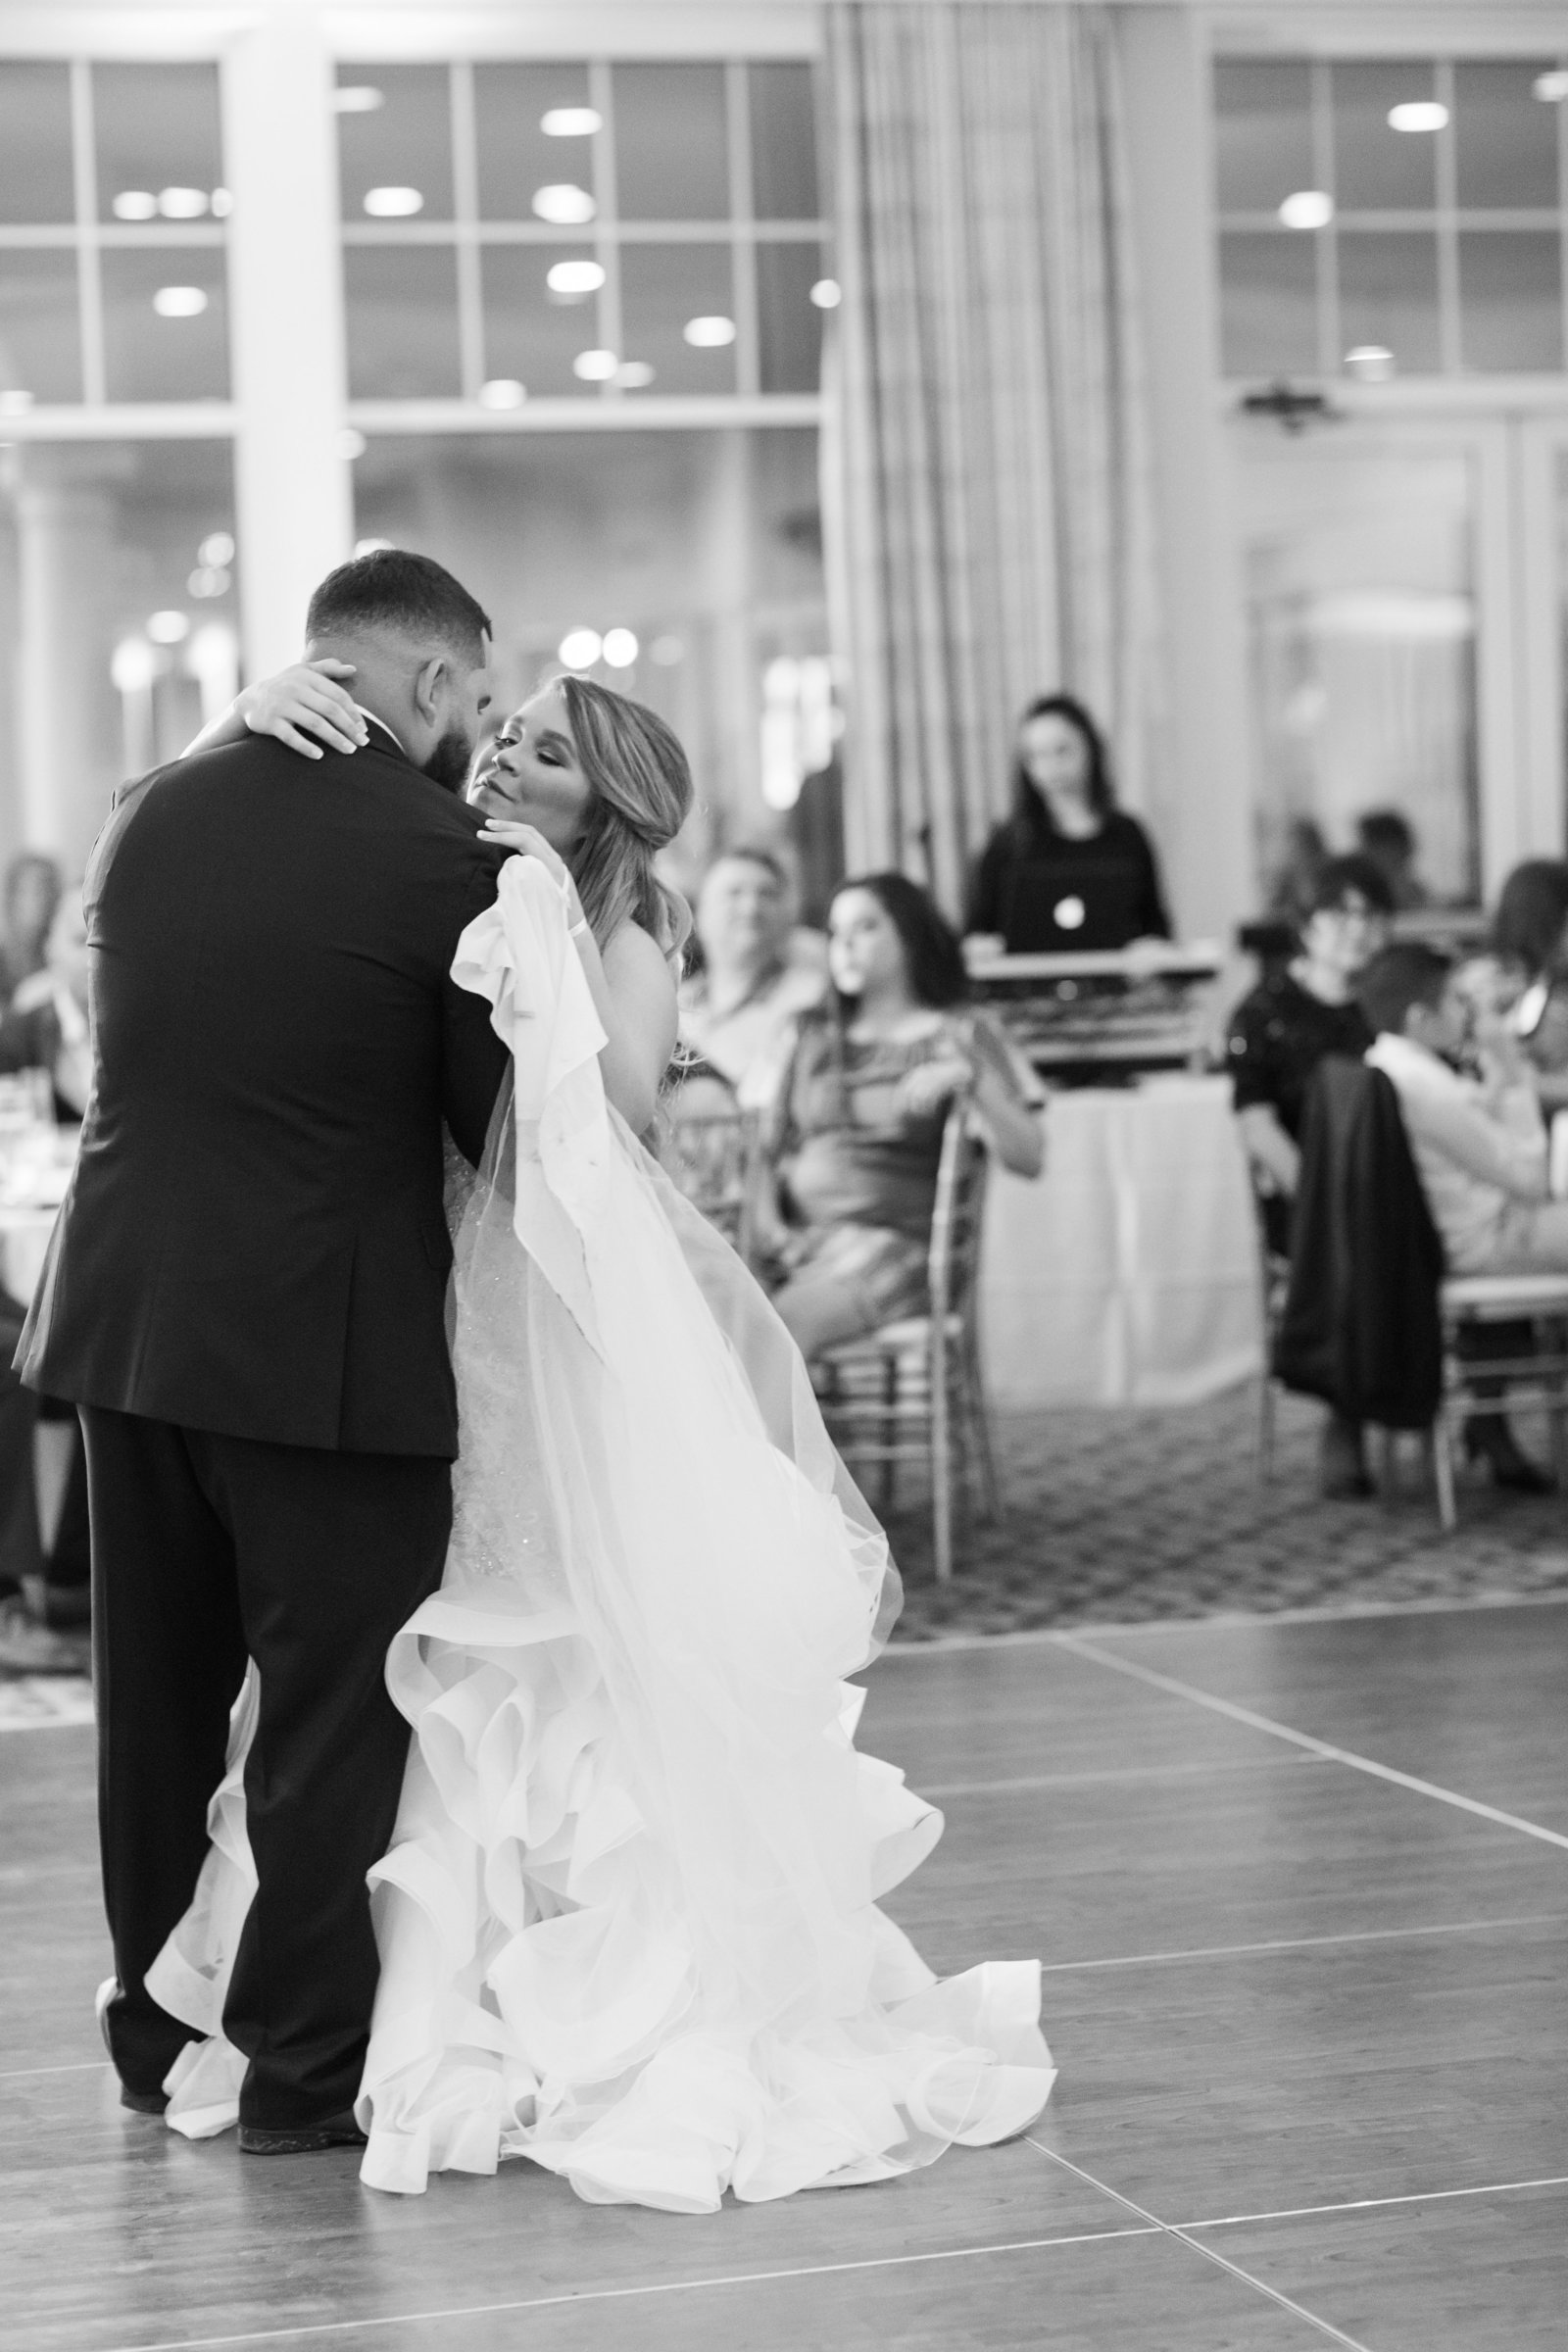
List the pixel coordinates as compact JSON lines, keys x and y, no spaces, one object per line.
{"x":628,"y":1923}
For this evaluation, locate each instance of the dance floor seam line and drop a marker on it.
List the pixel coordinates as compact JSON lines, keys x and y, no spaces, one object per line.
{"x":1326,"y":1748}
{"x":663,"y":2286}
{"x":1306,"y":1943}
{"x":1422,"y":2196}
{"x":1030,"y":1782}
{"x":1179,"y":2231}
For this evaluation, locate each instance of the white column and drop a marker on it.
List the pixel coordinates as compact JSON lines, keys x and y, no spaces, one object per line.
{"x":293,"y":492}
{"x":1205,"y":811}
{"x":67,"y":724}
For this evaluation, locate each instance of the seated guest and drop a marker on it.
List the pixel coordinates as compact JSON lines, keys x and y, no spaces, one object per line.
{"x":1277,"y":1035}
{"x":31,"y":895}
{"x":1068,"y":869}
{"x":860,"y":1113}
{"x":1281,"y":1031}
{"x":45,"y":1026}
{"x":1526,"y":969}
{"x":1387,"y":838}
{"x":757,"y":974}
{"x":1479,"y":1143}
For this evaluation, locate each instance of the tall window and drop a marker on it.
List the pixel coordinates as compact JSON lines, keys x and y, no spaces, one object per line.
{"x":1392,"y":218}
{"x":111,"y":205}
{"x":585,"y":231}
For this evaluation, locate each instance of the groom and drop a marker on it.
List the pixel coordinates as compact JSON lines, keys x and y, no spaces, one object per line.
{"x":245,"y":1296}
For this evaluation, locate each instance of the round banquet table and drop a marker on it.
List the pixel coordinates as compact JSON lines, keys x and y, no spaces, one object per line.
{"x":1128,"y":1273}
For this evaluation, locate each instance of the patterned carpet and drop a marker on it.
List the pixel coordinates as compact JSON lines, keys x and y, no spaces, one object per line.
{"x":1115,"y":1516}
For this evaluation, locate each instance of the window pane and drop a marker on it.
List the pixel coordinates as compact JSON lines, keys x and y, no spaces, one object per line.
{"x":35,"y":179}
{"x":1378,"y":168}
{"x":531,"y":334}
{"x":1389,"y":296}
{"x":402,"y":317}
{"x":406,"y":142}
{"x":1268,"y":303}
{"x":1510,"y":299}
{"x":672,"y":148}
{"x":516,"y":157}
{"x":789,"y":323}
{"x":40,"y":340}
{"x":662,"y":287}
{"x":1262,"y":134}
{"x":783,"y":142}
{"x":155,"y":127}
{"x":1505,"y":139}
{"x":149,"y":356}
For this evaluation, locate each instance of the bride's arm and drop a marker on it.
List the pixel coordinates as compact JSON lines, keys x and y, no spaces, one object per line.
{"x":631,"y":984}
{"x":298,"y":704}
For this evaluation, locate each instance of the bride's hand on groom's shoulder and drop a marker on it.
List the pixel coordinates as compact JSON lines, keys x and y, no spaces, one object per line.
{"x":307,"y":707}
{"x":529,"y":842}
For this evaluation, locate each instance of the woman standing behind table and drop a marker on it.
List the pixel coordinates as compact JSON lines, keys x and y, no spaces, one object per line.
{"x":863,"y":1108}
{"x":1068,"y":869}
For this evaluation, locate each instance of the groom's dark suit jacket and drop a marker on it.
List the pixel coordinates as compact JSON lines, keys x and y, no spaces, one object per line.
{"x":253,"y":1243}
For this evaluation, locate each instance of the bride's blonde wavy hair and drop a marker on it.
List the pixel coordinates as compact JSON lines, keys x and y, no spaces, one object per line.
{"x":640,"y":784}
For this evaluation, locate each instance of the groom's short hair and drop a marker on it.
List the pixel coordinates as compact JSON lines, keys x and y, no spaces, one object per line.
{"x":391,"y":588}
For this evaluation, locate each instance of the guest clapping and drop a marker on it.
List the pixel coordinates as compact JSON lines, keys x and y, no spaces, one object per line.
{"x":33,"y":890}
{"x":1068,"y":869}
{"x":759,"y":975}
{"x":45,"y":1027}
{"x":863,"y":1108}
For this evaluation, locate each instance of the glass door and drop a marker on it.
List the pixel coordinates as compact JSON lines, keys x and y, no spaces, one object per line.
{"x":1378,"y":568}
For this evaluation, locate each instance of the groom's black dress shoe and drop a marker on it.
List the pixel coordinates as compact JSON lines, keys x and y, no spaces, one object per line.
{"x":143,"y":2102}
{"x":302,"y":2139}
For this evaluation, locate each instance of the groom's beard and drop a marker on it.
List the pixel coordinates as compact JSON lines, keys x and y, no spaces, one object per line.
{"x":449,"y":764}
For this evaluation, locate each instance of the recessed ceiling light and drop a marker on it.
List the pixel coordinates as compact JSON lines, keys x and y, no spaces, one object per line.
{"x":574,"y":278}
{"x":1373,"y":362}
{"x":502,"y":392}
{"x":633,"y":374}
{"x":570,"y":123}
{"x":180,"y":302}
{"x":183,"y":204}
{"x":14,"y":402}
{"x":827,"y":294}
{"x":218,"y":548}
{"x":1418,"y":114}
{"x":351,"y":443}
{"x":135,"y":203}
{"x":1552,"y":87}
{"x":168,"y":628}
{"x":208,"y":581}
{"x":357,"y":98}
{"x":709,"y":334}
{"x":619,"y":648}
{"x":393,"y":203}
{"x":595,"y":367}
{"x":371,"y":547}
{"x":580,"y":649}
{"x":564,"y":205}
{"x":1308,"y":207}
{"x":223,"y":203}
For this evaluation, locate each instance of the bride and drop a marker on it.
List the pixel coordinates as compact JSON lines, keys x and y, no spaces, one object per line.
{"x":628,"y":1923}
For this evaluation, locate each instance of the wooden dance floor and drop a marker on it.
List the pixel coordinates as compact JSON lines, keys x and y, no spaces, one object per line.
{"x":1300,"y":1889}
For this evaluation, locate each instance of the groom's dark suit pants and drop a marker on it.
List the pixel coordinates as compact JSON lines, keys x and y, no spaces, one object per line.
{"x":207,"y":1549}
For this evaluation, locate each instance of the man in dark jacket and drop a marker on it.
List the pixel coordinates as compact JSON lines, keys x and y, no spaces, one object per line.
{"x":246,"y":1298}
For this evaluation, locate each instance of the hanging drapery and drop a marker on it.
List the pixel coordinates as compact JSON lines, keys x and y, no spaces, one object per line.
{"x":986,"y":487}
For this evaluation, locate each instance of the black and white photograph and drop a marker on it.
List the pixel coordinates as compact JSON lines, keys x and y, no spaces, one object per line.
{"x":783,"y":1175}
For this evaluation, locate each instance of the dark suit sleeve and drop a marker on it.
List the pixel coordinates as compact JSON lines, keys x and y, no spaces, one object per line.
{"x":474,"y":1060}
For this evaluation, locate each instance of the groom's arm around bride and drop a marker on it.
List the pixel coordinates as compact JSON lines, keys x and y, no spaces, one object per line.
{"x":246,"y":1296}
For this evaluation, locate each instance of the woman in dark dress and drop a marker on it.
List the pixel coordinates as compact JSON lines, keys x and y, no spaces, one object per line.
{"x":1068,"y":867}
{"x":1277,"y":1035}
